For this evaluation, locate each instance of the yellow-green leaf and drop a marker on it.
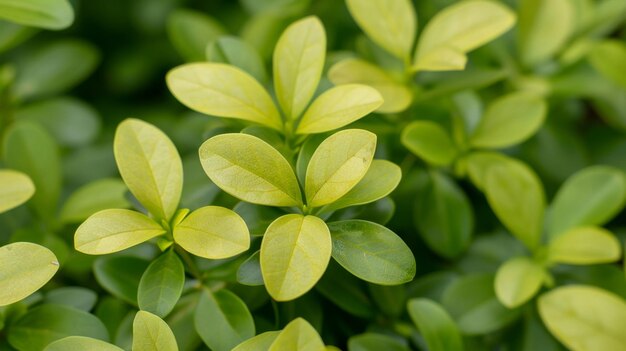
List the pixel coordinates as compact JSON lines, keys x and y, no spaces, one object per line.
{"x":48,"y":14}
{"x":298,"y":335}
{"x":338,"y":164}
{"x":339,"y":106}
{"x":458,"y":29}
{"x":15,"y":189}
{"x":429,"y":141}
{"x":150,"y":166}
{"x":213,"y":232}
{"x":81,"y":343}
{"x":585,"y":245}
{"x":225,"y":91}
{"x":250,"y":169}
{"x":396,"y":96}
{"x":261,"y":342}
{"x":608,"y":57}
{"x":96,"y":196}
{"x":392,"y":24}
{"x":294,"y":254}
{"x":298,"y":62}
{"x":518,"y":280}
{"x":26,"y":267}
{"x":151,"y":333}
{"x":114,"y":230}
{"x":585,"y":318}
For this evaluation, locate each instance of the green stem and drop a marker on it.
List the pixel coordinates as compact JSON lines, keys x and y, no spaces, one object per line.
{"x":190,"y":263}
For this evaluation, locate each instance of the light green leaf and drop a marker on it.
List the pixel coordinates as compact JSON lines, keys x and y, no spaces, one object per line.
{"x":161,"y":284}
{"x":380,"y":180}
{"x":518,"y":280}
{"x":26,"y":267}
{"x":224,"y":91}
{"x":516,"y":196}
{"x":223,"y":320}
{"x":213,"y":232}
{"x":429,"y":141}
{"x":338,"y":164}
{"x":250,"y":169}
{"x":585,"y":318}
{"x":48,"y":14}
{"x":93,"y":197}
{"x":372,"y":252}
{"x":261,"y":342}
{"x":458,"y":29}
{"x":298,"y":335}
{"x":294,"y":254}
{"x":478,"y":162}
{"x":392,"y":24}
{"x":591,"y":196}
{"x":510,"y":120}
{"x":150,"y":166}
{"x":338,"y":107}
{"x":81,"y":343}
{"x":608,"y":57}
{"x":190,"y":31}
{"x":15,"y":189}
{"x":235,"y":51}
{"x":151,"y":333}
{"x":396,"y":96}
{"x":544,"y":27}
{"x":114,"y":230}
{"x":375,"y":342}
{"x":435,"y":325}
{"x":298,"y":62}
{"x":585,"y":245}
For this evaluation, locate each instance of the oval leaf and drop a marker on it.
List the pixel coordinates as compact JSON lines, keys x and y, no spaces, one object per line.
{"x":435,"y":325}
{"x":48,"y":14}
{"x":235,"y":51}
{"x":120,"y":275}
{"x":374,"y":342}
{"x":190,"y":31}
{"x":429,"y":141}
{"x":608,"y":57}
{"x":518,"y":280}
{"x":338,"y":107}
{"x":298,"y":62}
{"x":161,"y":284}
{"x":225,"y":91}
{"x":372,"y":252}
{"x":338,"y":164}
{"x":15,"y":189}
{"x":260,"y":342}
{"x":26,"y":267}
{"x":93,"y":197}
{"x":584,"y":318}
{"x":151,"y":333}
{"x":585,"y":245}
{"x":81,"y":343}
{"x":294,"y":254}
{"x":213,"y":232}
{"x":298,"y":335}
{"x":114,"y":230}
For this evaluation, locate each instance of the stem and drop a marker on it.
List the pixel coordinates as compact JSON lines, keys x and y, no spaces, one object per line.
{"x":189,"y":262}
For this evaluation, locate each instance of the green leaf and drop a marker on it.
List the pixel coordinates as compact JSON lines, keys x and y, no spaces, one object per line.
{"x":516,"y":196}
{"x":150,"y":166}
{"x":250,"y":169}
{"x":249,"y":272}
{"x":584,"y":318}
{"x":261,"y":342}
{"x":298,"y":62}
{"x":12,"y":34}
{"x":213,"y":232}
{"x":510,"y":120}
{"x":380,"y":180}
{"x":443,"y":215}
{"x":298,"y":335}
{"x":396,"y":96}
{"x":224,"y":91}
{"x":190,"y":32}
{"x":151,"y":333}
{"x":591,"y":196}
{"x":15,"y":189}
{"x":585,"y":245}
{"x":47,"y":323}
{"x":372,"y":252}
{"x":391,"y":24}
{"x":434,"y":323}
{"x":81,"y":343}
{"x":29,"y":149}
{"x":338,"y":164}
{"x":120,"y":275}
{"x":93,"y":197}
{"x":294,"y":254}
{"x":375,"y":342}
{"x":338,"y":107}
{"x":80,"y":298}
{"x":458,"y":29}
{"x":478,"y":162}
{"x":346,"y":291}
{"x":223,"y":320}
{"x":544,"y":28}
{"x":48,"y":14}
{"x":608,"y":57}
{"x":234,"y":51}
{"x":26,"y":267}
{"x":161,"y":285}
{"x":114,"y":230}
{"x":429,"y":141}
{"x":518,"y":280}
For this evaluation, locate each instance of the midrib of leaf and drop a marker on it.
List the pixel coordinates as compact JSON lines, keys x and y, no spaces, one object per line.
{"x":291,"y":253}
{"x":126,"y":232}
{"x":224,"y":238}
{"x":299,"y":55}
